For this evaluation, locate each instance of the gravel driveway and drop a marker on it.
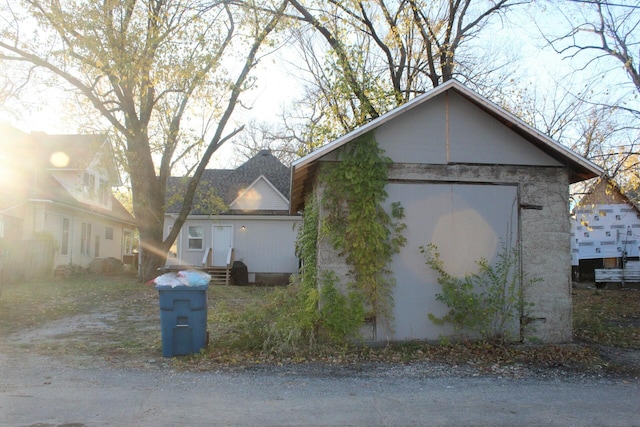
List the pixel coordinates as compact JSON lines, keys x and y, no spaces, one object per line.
{"x":75,"y":389}
{"x":42,"y":391}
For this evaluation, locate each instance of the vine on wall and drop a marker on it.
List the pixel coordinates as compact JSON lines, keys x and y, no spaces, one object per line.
{"x":322,"y":311}
{"x":357,"y":224}
{"x":307,"y":242}
{"x":315,"y":307}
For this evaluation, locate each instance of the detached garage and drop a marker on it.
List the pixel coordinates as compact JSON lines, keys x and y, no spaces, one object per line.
{"x":470,"y":178}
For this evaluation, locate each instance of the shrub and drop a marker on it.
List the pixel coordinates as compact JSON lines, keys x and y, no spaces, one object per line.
{"x":485,"y":304}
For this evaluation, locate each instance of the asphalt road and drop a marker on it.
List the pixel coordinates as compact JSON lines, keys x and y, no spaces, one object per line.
{"x":39,"y":391}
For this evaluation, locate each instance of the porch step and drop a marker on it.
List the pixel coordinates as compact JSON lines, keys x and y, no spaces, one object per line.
{"x":219,"y":275}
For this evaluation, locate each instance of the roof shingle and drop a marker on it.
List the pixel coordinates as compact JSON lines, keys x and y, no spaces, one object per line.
{"x":228,"y":184}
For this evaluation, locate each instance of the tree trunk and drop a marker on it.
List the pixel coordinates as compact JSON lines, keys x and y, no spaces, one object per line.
{"x":151,"y":260}
{"x":148,"y":205}
{"x":150,"y":225}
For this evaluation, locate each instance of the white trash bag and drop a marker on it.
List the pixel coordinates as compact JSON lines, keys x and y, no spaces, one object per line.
{"x":194,"y":278}
{"x":168,"y":279}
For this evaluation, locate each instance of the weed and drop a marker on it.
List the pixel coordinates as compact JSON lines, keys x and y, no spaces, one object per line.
{"x":485,"y":304}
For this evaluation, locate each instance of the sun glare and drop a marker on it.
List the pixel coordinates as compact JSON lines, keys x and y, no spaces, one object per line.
{"x":59,"y":159}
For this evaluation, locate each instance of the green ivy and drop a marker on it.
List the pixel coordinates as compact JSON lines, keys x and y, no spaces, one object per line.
{"x":357,"y":225}
{"x":307,"y":242}
{"x":341,"y":314}
{"x":313,"y":309}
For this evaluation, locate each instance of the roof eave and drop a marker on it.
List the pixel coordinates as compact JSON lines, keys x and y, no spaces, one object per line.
{"x":580,"y":169}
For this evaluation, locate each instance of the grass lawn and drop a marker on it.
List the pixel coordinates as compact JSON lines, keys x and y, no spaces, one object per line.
{"x":117,"y":319}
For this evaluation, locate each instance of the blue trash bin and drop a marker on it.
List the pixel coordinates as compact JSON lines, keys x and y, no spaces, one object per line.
{"x":183,"y":319}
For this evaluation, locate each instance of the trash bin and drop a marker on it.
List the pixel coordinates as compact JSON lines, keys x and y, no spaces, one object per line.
{"x":239,"y":273}
{"x":183,"y":319}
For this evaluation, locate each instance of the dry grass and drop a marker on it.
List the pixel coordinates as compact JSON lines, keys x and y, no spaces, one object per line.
{"x":29,"y":305}
{"x":85,"y":316}
{"x":116,"y":319}
{"x":607,"y":317}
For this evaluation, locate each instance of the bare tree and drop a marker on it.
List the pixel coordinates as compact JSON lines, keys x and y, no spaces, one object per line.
{"x":366,"y":57}
{"x":14,"y":78}
{"x":142,"y":64}
{"x":602,"y":31}
{"x":602,"y":40}
{"x":265,"y":136}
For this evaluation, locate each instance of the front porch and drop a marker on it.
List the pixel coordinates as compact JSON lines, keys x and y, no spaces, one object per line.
{"x":219,"y":270}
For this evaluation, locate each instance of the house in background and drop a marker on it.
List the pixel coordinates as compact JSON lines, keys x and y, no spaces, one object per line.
{"x":470,"y":177}
{"x":241,"y":213}
{"x":59,"y":188}
{"x":605,"y":231}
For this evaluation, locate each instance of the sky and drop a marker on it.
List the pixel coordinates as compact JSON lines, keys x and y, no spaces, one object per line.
{"x":277,"y":87}
{"x":45,"y":110}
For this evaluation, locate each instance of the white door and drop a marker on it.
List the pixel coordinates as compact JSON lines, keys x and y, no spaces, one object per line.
{"x":222,"y":241}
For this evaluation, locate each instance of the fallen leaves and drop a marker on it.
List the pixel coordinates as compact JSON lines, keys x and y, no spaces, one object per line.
{"x":606,"y":323}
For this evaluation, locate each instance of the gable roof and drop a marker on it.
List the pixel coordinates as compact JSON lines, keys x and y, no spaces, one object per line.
{"x":42,"y":151}
{"x":605,"y":191}
{"x":303,"y":170}
{"x":29,"y":158}
{"x":229,"y":184}
{"x":245,"y":194}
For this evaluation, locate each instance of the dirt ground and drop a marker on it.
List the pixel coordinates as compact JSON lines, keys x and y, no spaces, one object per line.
{"x":115,"y":321}
{"x":125,"y":333}
{"x":103,"y":366}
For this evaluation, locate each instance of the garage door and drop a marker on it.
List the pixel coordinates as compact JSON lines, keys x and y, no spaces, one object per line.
{"x":466,"y":222}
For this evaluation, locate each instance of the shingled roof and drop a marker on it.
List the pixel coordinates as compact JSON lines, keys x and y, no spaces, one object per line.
{"x":228,"y":184}
{"x":29,"y":159}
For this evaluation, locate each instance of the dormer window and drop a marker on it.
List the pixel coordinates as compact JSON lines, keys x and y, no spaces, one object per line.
{"x":96,"y":189}
{"x":89,"y":186}
{"x":105,"y":192}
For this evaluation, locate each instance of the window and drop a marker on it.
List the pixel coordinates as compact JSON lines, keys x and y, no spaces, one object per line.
{"x":64,"y":244}
{"x":196,"y":232}
{"x":104,"y":192}
{"x":108,"y":233}
{"x":85,"y":239}
{"x":89,"y":186}
{"x":127,"y":242}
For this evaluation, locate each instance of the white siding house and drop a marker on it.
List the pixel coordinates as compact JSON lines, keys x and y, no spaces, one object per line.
{"x":256,"y":222}
{"x":60,"y":189}
{"x":605,"y":230}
